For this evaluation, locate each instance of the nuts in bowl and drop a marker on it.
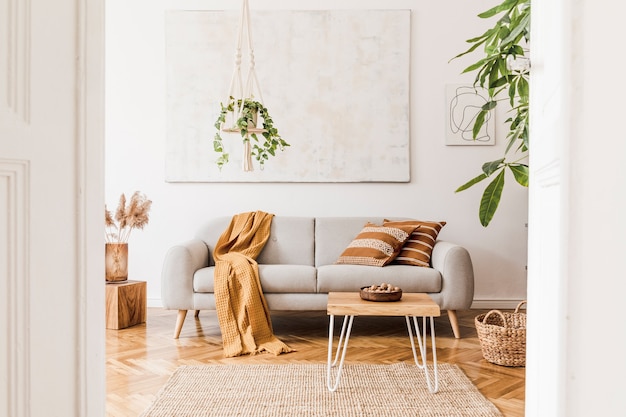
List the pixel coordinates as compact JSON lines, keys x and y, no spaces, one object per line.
{"x":382,"y":292}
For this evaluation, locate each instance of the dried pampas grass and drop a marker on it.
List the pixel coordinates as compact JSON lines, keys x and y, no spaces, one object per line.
{"x":128,"y":217}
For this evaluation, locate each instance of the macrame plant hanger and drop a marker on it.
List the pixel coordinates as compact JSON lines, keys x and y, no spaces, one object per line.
{"x":237,"y":90}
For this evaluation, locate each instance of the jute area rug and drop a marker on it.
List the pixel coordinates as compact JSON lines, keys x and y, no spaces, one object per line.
{"x":290,"y":390}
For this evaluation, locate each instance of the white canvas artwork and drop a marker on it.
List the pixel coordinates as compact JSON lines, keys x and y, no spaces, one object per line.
{"x":463,"y":103}
{"x":335,"y":82}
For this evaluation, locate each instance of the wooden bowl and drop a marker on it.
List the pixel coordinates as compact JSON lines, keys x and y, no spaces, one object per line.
{"x":380,"y":296}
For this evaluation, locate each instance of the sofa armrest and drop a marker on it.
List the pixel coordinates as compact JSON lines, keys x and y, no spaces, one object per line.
{"x":457,"y":273}
{"x":181,"y":262}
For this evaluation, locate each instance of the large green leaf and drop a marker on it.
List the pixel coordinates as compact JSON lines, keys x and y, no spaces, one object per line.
{"x":503,"y":33}
{"x":476,"y":65}
{"x":499,"y":82}
{"x":512,"y":137}
{"x":499,"y":8}
{"x":491,"y":199}
{"x":491,"y":167}
{"x":483,"y":37}
{"x":493,"y":74}
{"x":520,"y":172}
{"x":478,"y":124}
{"x":489,"y":105}
{"x":471,"y":182}
{"x":485,"y":71}
{"x":512,"y":92}
{"x":472,"y":49}
{"x":523,"y":88}
{"x":518,"y":30}
{"x":516,"y":50}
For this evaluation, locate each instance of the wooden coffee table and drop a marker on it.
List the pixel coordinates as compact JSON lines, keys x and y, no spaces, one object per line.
{"x":411,"y":306}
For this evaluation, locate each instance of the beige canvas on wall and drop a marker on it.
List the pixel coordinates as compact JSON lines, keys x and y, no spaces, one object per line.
{"x":335,"y":82}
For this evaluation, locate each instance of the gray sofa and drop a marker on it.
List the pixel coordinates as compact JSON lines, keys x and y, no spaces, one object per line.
{"x":297,"y":268}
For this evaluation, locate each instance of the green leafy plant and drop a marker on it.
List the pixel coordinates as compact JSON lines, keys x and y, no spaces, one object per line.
{"x":499,"y":74}
{"x":261,"y":149}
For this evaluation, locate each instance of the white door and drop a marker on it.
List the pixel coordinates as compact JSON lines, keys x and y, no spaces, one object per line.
{"x":576,"y":338}
{"x":51,"y":202}
{"x":547,"y":233}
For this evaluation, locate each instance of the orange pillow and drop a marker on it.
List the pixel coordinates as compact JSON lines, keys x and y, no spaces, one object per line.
{"x":418,"y":248}
{"x":376,"y":245}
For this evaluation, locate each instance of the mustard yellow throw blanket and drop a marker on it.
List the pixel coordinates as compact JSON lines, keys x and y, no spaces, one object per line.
{"x":241,"y":307}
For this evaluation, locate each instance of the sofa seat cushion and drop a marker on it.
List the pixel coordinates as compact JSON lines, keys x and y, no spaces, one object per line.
{"x":353,"y":277}
{"x":274,"y":279}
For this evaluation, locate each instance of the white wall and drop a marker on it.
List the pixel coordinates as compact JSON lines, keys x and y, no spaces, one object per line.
{"x":135,"y":146}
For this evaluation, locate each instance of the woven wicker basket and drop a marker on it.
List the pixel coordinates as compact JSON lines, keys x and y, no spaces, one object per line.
{"x":502,"y":336}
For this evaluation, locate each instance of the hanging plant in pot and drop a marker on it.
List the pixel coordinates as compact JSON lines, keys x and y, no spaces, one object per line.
{"x":245,"y":122}
{"x":118,"y":228}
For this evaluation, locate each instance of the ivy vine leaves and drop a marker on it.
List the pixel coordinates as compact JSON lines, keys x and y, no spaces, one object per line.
{"x":261,"y":149}
{"x":496,"y":72}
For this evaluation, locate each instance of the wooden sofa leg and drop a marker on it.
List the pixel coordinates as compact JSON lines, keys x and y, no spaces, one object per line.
{"x":454,"y":322}
{"x":196,"y":313}
{"x":180,"y":319}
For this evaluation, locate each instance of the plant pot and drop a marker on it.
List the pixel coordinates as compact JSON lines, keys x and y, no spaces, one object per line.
{"x":116,"y":262}
{"x":252,"y":124}
{"x":230,"y":124}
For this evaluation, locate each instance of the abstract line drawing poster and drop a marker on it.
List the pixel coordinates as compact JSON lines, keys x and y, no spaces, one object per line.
{"x":463,"y":103}
{"x":336,"y":84}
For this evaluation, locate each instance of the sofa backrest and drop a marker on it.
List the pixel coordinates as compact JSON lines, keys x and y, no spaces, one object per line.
{"x":291,"y":240}
{"x":334,"y":234}
{"x":297,"y":240}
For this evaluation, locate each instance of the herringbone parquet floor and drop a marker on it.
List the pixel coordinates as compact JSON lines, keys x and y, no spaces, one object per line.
{"x":141,"y":358}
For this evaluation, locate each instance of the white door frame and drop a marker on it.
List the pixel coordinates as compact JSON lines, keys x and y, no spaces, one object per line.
{"x":52,"y":359}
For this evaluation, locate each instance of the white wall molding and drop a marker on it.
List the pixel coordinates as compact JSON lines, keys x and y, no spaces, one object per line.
{"x":14,"y":288}
{"x":154,"y":302}
{"x":18,"y":71}
{"x":496,"y":304}
{"x":89,"y":147}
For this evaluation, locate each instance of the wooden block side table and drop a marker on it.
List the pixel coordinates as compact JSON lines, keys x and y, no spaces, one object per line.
{"x":126,"y":304}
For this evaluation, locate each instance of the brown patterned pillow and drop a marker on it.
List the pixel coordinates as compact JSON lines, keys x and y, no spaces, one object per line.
{"x":376,"y":245}
{"x":419,"y":247}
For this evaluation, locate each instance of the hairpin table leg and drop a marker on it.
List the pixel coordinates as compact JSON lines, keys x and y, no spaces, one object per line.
{"x":342,"y":346}
{"x":421,"y":342}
